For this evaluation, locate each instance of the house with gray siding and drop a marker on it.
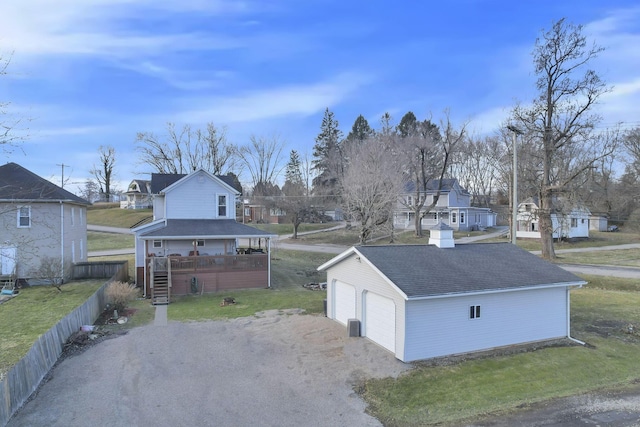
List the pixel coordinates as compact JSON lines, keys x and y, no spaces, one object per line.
{"x":426,"y":301}
{"x":452,"y":207}
{"x":39,"y":220}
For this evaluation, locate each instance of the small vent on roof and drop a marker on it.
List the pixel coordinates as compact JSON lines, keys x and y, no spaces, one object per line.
{"x":442,"y":236}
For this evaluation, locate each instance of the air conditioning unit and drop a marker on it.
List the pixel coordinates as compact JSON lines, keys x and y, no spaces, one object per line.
{"x":353,"y":328}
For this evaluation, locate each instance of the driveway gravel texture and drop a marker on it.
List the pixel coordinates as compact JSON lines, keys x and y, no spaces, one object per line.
{"x":277,"y":368}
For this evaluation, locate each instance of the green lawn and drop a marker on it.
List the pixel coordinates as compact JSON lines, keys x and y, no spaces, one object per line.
{"x":622,"y":257}
{"x":248,"y":303}
{"x":33,"y":312}
{"x":116,"y":217}
{"x":470,"y":389}
{"x":97,"y":241}
{"x":281,"y":229}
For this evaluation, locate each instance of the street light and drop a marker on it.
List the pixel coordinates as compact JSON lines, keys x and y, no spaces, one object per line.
{"x":514,"y":202}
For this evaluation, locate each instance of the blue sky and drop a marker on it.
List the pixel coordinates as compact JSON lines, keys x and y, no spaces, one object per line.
{"x":95,"y":72}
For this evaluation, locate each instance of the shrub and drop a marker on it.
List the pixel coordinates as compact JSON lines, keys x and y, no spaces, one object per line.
{"x":120,"y":294}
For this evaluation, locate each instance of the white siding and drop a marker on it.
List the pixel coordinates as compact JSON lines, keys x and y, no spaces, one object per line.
{"x":196,"y":197}
{"x":364,"y":278}
{"x":442,"y":326}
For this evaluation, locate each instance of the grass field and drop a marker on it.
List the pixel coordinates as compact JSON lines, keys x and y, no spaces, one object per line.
{"x":622,"y":257}
{"x":116,"y":217}
{"x":97,"y":241}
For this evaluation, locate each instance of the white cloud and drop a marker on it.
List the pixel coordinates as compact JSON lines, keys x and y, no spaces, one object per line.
{"x":74,"y":27}
{"x":301,"y":100}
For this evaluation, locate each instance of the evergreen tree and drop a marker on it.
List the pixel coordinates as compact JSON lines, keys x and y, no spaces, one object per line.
{"x":360,"y":130}
{"x":408,"y":125}
{"x":293,"y":172}
{"x":327,"y":155}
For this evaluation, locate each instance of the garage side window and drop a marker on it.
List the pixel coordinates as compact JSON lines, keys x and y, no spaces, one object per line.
{"x":474,"y":312}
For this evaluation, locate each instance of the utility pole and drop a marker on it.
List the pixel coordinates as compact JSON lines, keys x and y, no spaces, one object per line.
{"x":62,"y":181}
{"x":514,"y":203}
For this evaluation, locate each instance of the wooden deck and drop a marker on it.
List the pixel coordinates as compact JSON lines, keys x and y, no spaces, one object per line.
{"x":213,"y":273}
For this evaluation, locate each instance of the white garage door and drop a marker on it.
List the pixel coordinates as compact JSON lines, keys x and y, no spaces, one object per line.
{"x":380,"y":320}
{"x":344,"y":302}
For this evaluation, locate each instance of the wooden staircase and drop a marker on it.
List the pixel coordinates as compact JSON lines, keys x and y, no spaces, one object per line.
{"x":160,"y":282}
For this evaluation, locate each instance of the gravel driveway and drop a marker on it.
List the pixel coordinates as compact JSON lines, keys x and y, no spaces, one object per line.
{"x":272,"y":370}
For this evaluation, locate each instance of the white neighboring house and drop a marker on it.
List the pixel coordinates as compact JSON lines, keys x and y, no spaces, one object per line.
{"x":425,"y":301}
{"x":38,"y":219}
{"x":453,"y":208}
{"x":569,"y":220}
{"x":194,"y":243}
{"x":138,"y":195}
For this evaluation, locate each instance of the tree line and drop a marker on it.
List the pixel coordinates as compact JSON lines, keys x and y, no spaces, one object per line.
{"x":563,"y":152}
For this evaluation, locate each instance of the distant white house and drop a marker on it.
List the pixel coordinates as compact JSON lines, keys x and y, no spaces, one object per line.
{"x":425,"y":301}
{"x":569,"y":219}
{"x":453,"y":208}
{"x":138,"y":195}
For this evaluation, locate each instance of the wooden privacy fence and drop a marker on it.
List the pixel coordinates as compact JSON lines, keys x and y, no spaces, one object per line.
{"x":100,"y":269}
{"x":23,"y":379}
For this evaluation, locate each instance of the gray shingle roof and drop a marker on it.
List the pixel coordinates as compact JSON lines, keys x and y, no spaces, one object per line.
{"x":20,"y":184}
{"x":160,"y":181}
{"x":426,"y":270}
{"x":202,"y":228}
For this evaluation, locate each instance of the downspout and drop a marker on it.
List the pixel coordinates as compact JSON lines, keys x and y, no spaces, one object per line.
{"x":269,"y":263}
{"x":61,"y":240}
{"x":569,"y":318}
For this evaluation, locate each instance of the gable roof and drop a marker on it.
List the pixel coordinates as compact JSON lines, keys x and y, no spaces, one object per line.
{"x":448,"y":185}
{"x":142,"y":184}
{"x":421,"y":271}
{"x":201,"y":228}
{"x":160,"y":181}
{"x":20,"y":184}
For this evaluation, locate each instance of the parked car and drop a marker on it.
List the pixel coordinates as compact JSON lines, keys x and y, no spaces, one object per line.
{"x":613,"y":228}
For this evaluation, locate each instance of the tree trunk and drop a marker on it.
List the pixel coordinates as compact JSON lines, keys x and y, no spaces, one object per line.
{"x":417,"y":219}
{"x":546,"y":226}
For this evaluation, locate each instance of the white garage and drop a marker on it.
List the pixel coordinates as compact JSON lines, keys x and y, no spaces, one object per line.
{"x":344,"y":302}
{"x":425,"y":301}
{"x":379,"y":323}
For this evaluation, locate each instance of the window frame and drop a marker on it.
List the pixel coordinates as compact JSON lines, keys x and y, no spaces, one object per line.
{"x":225,"y":205}
{"x":153,"y":244}
{"x":454,"y":217}
{"x":474,"y":312}
{"x":20,"y":216}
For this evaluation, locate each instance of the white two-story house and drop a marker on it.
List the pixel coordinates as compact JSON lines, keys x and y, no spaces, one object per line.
{"x":194,"y":244}
{"x":453,"y":208}
{"x":569,"y":219}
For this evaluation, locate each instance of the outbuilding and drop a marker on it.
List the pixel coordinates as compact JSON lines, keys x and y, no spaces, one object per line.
{"x":426,"y":301}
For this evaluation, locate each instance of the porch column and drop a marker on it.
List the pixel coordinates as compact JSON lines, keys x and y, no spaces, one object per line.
{"x":269,"y":262}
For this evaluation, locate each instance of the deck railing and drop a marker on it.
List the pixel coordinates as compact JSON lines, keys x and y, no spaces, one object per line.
{"x":176,"y":264}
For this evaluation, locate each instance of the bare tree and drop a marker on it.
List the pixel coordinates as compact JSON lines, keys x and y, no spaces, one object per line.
{"x":370,"y":186}
{"x":51,"y":272}
{"x":474,"y":165}
{"x":262,"y":157}
{"x":560,"y":118}
{"x":8,"y":124}
{"x":103,"y":173}
{"x":184,"y":150}
{"x":90,"y":191}
{"x":425,"y":153}
{"x":631,"y":143}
